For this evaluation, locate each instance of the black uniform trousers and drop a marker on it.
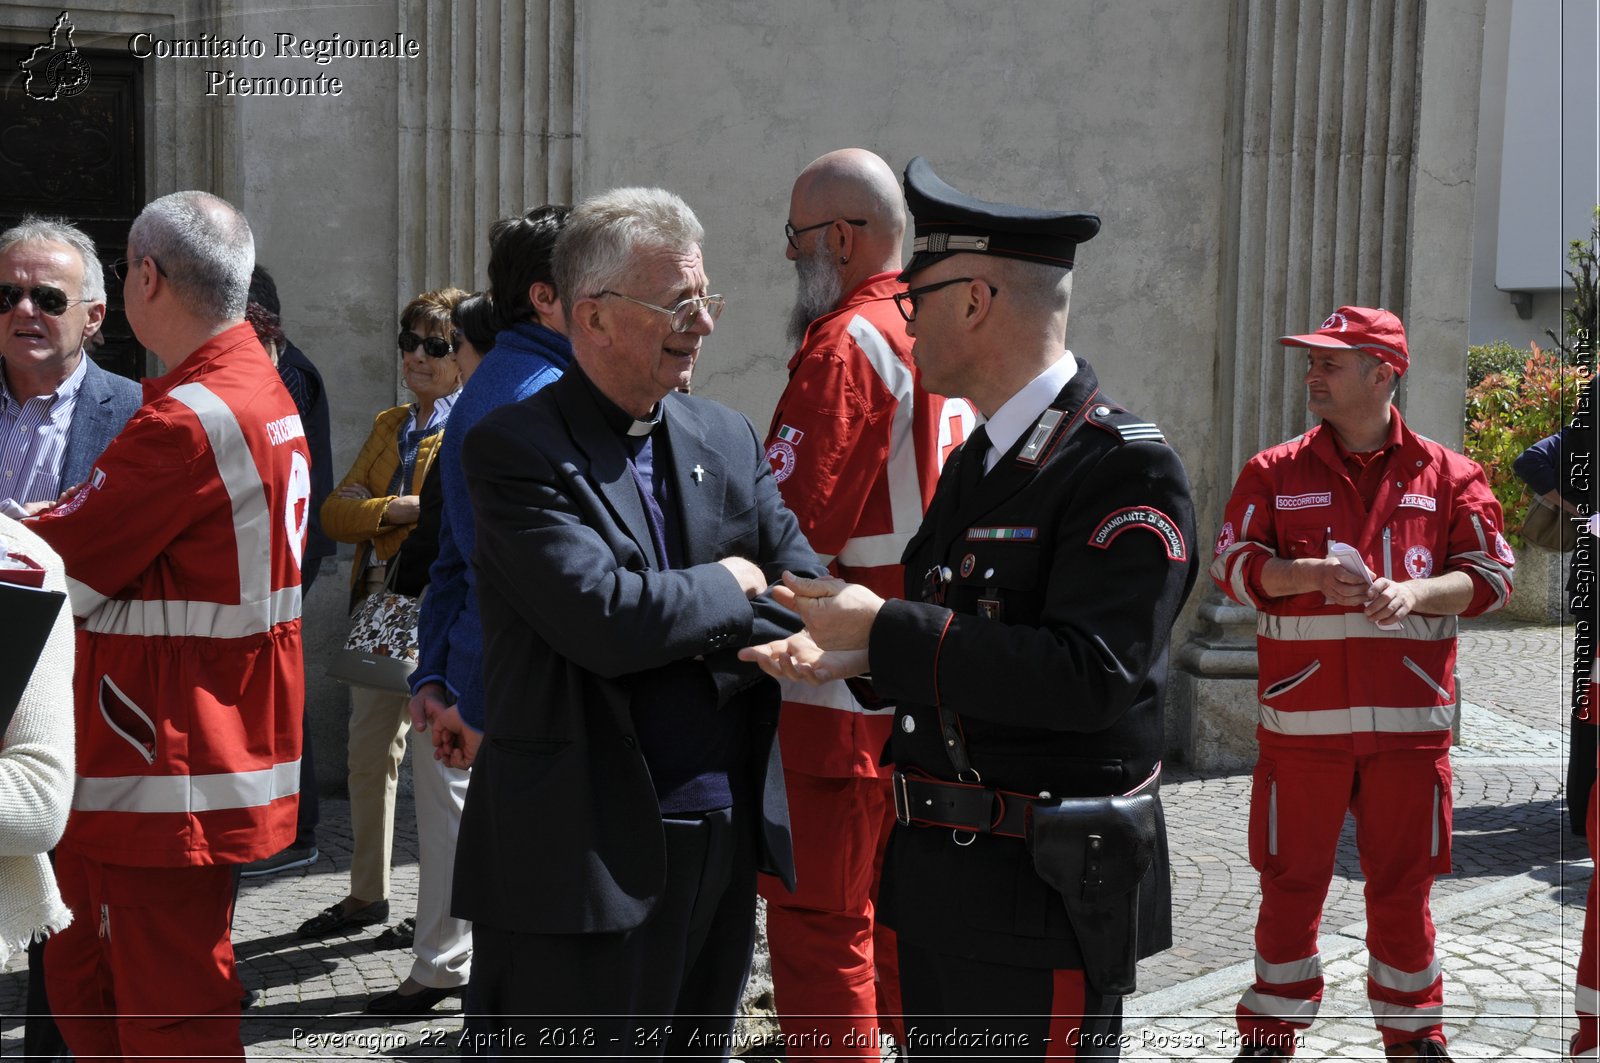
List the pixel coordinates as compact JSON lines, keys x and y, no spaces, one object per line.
{"x":960,"y":1007}
{"x":667,"y":988}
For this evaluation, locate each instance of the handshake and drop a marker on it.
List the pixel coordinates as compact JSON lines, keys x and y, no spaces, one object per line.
{"x":838,"y":619}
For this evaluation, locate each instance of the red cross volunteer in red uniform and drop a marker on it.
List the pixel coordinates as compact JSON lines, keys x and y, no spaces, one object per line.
{"x":856,"y":445}
{"x":183,"y":561}
{"x":1357,"y":676}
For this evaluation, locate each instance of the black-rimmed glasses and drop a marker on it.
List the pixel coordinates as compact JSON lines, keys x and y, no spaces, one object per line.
{"x":47,"y":297}
{"x":432,"y":346}
{"x":684,"y":312}
{"x":906,"y":302}
{"x":791,"y":232}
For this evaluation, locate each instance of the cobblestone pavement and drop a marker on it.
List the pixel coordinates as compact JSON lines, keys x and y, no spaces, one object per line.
{"x":1509,"y":917}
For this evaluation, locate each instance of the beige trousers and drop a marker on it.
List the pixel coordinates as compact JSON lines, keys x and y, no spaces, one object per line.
{"x":378,"y":723}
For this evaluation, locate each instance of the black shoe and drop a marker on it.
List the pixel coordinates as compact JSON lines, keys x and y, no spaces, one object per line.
{"x":419,"y":1003}
{"x":250,"y":999}
{"x":334,"y":919}
{"x":1259,"y":1051}
{"x":283,"y":860}
{"x":400,"y":936}
{"x":1426,"y":1048}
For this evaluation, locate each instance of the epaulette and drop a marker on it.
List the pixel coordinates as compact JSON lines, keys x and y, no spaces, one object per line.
{"x":1129,"y":427}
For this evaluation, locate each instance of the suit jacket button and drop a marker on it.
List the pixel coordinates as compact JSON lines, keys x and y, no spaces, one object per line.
{"x":630,"y":741}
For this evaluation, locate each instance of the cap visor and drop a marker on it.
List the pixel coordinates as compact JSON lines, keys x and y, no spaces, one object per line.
{"x":1317,"y":340}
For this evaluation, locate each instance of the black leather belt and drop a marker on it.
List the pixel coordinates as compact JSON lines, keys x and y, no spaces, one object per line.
{"x":920,"y":802}
{"x":971,"y":807}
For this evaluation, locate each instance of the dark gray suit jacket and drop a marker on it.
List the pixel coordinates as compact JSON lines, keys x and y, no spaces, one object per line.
{"x":105,"y":402}
{"x":561,"y":832}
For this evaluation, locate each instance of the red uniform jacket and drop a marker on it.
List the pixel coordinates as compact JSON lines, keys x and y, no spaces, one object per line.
{"x":183,"y":561}
{"x":856,"y":445}
{"x":1328,"y":674}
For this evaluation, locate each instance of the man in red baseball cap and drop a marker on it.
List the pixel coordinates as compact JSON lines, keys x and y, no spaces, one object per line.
{"x":1359,"y":543}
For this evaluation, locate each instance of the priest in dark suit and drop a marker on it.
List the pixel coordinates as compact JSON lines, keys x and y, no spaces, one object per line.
{"x":628,"y":787}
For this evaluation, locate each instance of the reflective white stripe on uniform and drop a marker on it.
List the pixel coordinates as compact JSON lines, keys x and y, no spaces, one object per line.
{"x":1230,"y":566}
{"x":259,"y":607}
{"x":1338,"y":626}
{"x":1293,"y":971}
{"x":833,"y":695}
{"x":187,"y":793}
{"x":84,"y":598}
{"x":1359,"y":719}
{"x":1288,"y":1009}
{"x":1586,"y":999}
{"x":1403,"y":1017}
{"x":905,"y":489}
{"x":166,"y":619}
{"x":1402,"y":981}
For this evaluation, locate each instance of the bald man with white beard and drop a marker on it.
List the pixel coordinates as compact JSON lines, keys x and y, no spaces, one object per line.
{"x":856,"y":445}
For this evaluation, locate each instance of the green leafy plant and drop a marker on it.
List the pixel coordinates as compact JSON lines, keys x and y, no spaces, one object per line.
{"x":1497,"y":357}
{"x":1510,"y":410}
{"x":1581,"y":313}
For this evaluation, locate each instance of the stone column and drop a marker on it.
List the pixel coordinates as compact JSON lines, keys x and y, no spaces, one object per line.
{"x":1327,"y":192}
{"x":487,"y":117}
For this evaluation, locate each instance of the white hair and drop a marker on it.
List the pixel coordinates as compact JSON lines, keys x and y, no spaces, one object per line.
{"x":606,"y":233}
{"x":33,"y":229}
{"x":204,"y":248}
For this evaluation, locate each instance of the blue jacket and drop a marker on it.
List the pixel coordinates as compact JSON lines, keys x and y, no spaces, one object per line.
{"x":524,"y":359}
{"x":105,"y":402}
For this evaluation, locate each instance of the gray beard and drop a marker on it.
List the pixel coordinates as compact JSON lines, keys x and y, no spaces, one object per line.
{"x":817,"y":292}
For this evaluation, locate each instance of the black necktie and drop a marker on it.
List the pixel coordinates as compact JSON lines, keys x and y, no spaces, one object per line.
{"x":973,"y":456}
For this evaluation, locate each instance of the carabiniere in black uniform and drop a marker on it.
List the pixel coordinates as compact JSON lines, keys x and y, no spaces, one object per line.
{"x":1028,"y":663}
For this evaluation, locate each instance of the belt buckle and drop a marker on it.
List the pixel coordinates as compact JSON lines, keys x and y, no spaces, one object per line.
{"x":902,"y":800}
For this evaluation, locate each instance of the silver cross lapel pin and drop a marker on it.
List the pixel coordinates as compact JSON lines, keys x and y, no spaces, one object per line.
{"x":698,"y":473}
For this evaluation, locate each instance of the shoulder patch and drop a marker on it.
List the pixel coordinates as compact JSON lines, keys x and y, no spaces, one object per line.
{"x":1129,"y":427}
{"x":1148,"y":518}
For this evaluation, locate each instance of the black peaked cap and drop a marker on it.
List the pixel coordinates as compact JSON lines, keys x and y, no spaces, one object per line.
{"x":949,"y":222}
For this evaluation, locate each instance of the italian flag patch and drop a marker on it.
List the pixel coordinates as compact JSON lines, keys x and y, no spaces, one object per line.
{"x":789,"y":435}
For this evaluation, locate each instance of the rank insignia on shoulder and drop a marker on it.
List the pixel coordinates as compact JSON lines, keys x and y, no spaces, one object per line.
{"x":1130,"y":427}
{"x":1043,"y":429}
{"x":1148,"y":518}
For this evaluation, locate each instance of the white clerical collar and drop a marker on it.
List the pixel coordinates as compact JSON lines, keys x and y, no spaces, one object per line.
{"x":643,"y":428}
{"x":1021,"y":410}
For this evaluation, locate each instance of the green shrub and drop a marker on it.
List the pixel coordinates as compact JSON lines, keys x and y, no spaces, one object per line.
{"x":1510,"y":410}
{"x":1497,"y":357}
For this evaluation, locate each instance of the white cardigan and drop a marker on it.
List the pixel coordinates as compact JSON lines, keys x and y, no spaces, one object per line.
{"x":36,"y":771}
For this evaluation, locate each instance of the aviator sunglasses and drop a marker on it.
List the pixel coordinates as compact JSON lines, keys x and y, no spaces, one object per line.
{"x":432,"y":346}
{"x":48,"y":299}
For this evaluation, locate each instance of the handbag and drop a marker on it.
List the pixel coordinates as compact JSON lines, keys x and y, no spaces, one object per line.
{"x":381,"y":651}
{"x":1095,"y":851}
{"x":1549,"y":527}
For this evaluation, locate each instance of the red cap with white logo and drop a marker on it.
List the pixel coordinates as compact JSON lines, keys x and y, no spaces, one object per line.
{"x":1360,"y":328}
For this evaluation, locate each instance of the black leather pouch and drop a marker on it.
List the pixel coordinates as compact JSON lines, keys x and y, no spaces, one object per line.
{"x":1095,"y":851}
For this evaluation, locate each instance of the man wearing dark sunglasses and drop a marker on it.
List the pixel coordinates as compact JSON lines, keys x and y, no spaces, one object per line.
{"x":183,"y":551}
{"x":58,"y":409}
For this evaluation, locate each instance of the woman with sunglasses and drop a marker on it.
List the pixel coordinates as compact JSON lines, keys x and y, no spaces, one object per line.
{"x":376,"y":506}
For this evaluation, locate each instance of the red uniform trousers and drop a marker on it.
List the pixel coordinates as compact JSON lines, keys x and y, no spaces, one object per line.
{"x":1586,"y":988}
{"x":1401,"y":802}
{"x":834,"y":967}
{"x":146,"y":969}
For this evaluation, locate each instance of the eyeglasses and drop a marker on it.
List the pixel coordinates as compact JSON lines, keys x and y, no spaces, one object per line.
{"x":791,"y":232}
{"x":684,"y":312}
{"x":49,"y":299}
{"x":119,"y":269}
{"x":906,"y":301}
{"x":432,"y":346}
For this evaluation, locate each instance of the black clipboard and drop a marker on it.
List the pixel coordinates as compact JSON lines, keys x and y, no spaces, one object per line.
{"x":27,"y":616}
